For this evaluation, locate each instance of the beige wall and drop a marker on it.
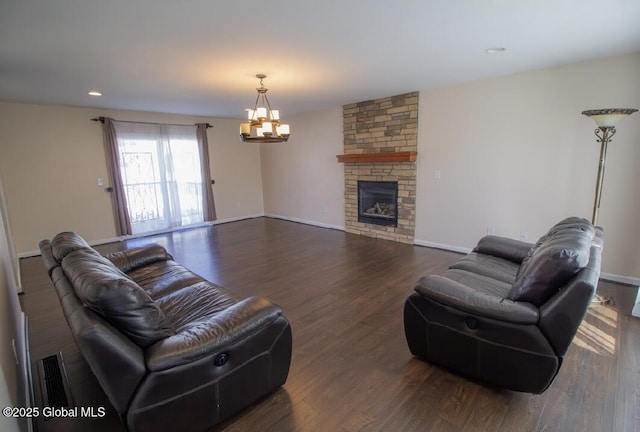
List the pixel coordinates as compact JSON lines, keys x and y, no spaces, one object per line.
{"x":302,"y":178}
{"x":515,"y":154}
{"x":10,"y":318}
{"x":52,"y":157}
{"x":236,"y":169}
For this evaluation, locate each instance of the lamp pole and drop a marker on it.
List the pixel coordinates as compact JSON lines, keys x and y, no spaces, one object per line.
{"x":606,"y":120}
{"x":604,"y":134}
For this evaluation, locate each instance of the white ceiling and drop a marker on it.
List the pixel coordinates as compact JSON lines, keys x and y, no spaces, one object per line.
{"x":200,"y":57}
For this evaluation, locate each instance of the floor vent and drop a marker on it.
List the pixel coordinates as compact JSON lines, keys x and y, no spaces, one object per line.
{"x":53,"y":382}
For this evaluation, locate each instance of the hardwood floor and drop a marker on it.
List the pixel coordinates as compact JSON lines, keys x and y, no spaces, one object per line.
{"x":351,"y":369}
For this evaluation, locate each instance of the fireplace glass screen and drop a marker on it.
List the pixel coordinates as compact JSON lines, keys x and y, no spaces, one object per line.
{"x":378,"y":202}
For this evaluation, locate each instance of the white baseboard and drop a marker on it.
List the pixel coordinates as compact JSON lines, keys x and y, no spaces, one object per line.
{"x":458,"y":249}
{"x":28,"y":254}
{"x":304,"y":221}
{"x":236,"y":219}
{"x":620,"y":279}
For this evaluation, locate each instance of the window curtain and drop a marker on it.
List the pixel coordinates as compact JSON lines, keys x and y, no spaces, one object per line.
{"x":208,"y":205}
{"x":118,"y":197}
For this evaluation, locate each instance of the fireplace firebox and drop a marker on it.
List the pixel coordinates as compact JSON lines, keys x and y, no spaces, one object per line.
{"x":378,"y":202}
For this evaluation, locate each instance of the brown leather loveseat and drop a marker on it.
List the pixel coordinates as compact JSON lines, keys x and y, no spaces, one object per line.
{"x":171,"y":350}
{"x":507,"y":312}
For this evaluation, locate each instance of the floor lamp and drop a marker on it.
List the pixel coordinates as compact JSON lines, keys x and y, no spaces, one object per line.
{"x":606,"y":120}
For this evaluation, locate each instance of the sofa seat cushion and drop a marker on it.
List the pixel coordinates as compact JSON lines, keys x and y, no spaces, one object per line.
{"x":112,"y":294}
{"x":477,"y":295}
{"x":556,"y":259}
{"x":195,"y":304}
{"x":481,"y":283}
{"x":488,"y":265}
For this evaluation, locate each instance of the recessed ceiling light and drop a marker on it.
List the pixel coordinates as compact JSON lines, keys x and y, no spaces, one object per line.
{"x":495,"y":50}
{"x":94,"y":93}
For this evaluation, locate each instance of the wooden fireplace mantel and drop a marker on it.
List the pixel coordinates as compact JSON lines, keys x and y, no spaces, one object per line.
{"x":409,"y":156}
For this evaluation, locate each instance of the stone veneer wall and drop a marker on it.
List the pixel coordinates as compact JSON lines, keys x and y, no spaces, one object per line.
{"x":383,"y":125}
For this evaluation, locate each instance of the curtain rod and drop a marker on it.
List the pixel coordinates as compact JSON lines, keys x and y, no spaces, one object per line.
{"x":101,"y":120}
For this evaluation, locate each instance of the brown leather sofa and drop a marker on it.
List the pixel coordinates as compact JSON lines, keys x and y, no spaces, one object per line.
{"x":171,"y":350}
{"x":507,"y":312}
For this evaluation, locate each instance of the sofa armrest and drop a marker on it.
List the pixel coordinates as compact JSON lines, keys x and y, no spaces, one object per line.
{"x":456,"y":295}
{"x":204,"y":338}
{"x":50,"y":262}
{"x":131,"y":259}
{"x":503,"y":247}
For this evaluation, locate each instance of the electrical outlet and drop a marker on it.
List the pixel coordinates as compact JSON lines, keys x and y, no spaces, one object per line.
{"x":491,"y":230}
{"x":436,"y":175}
{"x":523,"y":235}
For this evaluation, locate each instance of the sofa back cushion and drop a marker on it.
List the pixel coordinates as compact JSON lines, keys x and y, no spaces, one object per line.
{"x":553,"y":260}
{"x":113,"y":295}
{"x":132,"y":259}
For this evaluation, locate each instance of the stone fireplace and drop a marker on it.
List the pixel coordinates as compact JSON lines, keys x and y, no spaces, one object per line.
{"x":380,"y":146}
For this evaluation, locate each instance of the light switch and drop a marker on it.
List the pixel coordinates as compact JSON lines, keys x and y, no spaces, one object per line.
{"x":436,"y":175}
{"x":100,"y":181}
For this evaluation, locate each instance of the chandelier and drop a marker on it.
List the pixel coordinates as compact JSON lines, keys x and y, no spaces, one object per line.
{"x":264,"y":123}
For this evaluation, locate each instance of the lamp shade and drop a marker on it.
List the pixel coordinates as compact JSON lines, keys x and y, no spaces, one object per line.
{"x":283,"y":129}
{"x":261,"y":113}
{"x":608,"y":117}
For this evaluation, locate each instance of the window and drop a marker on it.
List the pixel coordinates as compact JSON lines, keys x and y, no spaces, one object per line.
{"x":161,"y":174}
